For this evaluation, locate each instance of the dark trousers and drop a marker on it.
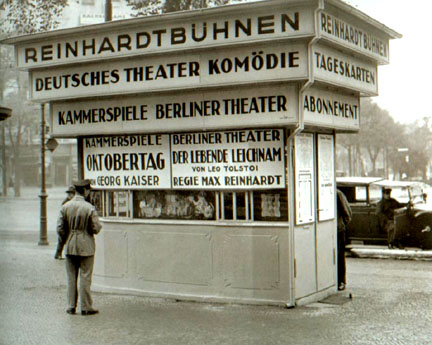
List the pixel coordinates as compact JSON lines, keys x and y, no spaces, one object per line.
{"x":341,"y":264}
{"x":81,"y":266}
{"x":392,"y":237}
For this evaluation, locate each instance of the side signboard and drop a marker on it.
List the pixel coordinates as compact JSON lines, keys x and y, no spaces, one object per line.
{"x":341,"y":69}
{"x":213,"y":109}
{"x":240,"y":159}
{"x":355,"y":36}
{"x":330,"y":109}
{"x":252,"y":64}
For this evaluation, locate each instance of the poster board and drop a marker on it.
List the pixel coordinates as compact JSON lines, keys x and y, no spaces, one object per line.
{"x":304,"y":178}
{"x":238,"y":159}
{"x":326,"y":187}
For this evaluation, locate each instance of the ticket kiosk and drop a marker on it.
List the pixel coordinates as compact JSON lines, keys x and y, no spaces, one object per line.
{"x":209,"y":137}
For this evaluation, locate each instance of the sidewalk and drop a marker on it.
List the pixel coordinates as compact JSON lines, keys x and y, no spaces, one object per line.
{"x":33,"y":303}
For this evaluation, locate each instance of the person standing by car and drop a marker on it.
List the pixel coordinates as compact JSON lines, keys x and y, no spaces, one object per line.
{"x":386,"y":211}
{"x":344,"y":215}
{"x":78,"y":223}
{"x":61,"y":241}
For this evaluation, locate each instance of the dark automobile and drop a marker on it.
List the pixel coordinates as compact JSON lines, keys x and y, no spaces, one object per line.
{"x":413,"y":221}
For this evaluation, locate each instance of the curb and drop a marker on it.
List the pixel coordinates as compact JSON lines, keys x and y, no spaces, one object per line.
{"x":399,"y":254}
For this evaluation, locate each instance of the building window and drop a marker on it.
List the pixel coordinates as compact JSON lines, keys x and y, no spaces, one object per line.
{"x":231,"y":206}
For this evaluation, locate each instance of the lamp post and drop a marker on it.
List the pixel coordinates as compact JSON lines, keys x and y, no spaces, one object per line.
{"x":4,"y":114}
{"x":51,"y":145}
{"x":43,"y":239}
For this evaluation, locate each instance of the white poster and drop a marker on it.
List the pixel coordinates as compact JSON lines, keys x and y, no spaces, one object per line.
{"x":128,"y":162}
{"x":304,"y":178}
{"x":326,"y":188}
{"x":240,"y":159}
{"x":243,"y":159}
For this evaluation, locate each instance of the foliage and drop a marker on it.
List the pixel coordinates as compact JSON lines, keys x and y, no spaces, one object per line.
{"x":30,"y":16}
{"x":150,"y":7}
{"x":22,"y":17}
{"x":419,"y":148}
{"x":402,"y":150}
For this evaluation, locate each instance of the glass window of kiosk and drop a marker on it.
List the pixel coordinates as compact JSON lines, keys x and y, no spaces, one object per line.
{"x":230,"y":206}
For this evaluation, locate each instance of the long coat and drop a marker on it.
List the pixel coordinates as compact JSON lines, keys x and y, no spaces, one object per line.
{"x":77,"y":224}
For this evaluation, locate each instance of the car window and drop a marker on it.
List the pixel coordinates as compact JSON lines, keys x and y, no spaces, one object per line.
{"x":361,"y":195}
{"x":375,"y":193}
{"x":417,"y":195}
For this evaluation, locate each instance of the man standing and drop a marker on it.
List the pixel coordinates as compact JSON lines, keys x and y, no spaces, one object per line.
{"x":385,"y":211}
{"x":78,"y":223}
{"x":60,"y":244}
{"x":344,"y":215}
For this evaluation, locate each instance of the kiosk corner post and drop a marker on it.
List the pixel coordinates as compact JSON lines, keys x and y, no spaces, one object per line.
{"x":43,"y":239}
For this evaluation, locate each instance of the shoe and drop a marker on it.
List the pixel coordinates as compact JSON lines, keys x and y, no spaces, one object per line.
{"x":89,"y":312}
{"x":71,"y":311}
{"x":341,"y":287}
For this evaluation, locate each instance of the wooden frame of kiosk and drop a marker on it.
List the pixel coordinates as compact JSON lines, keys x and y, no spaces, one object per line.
{"x":209,"y":137}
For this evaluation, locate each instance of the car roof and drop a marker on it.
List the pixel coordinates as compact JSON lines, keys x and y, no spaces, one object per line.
{"x":392,"y":184}
{"x":357,"y":180}
{"x":349,"y":181}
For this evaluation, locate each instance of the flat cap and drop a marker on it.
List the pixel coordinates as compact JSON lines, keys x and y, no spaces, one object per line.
{"x":82,"y":183}
{"x":386,"y":190}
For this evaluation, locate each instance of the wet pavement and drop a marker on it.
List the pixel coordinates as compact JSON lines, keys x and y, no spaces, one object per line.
{"x":391,"y":302}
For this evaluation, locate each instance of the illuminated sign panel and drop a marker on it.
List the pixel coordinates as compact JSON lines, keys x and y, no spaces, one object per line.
{"x":331,"y":109}
{"x":212,"y":109}
{"x":336,"y":68}
{"x":242,"y":65}
{"x":354,"y":35}
{"x":156,"y":34}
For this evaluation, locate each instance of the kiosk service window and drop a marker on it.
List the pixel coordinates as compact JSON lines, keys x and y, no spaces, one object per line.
{"x":258,"y":205}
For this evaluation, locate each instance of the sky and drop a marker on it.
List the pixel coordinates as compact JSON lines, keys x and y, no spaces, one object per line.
{"x":404,"y":86}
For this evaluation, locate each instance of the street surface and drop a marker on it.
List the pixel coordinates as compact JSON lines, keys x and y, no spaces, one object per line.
{"x":391,"y":304}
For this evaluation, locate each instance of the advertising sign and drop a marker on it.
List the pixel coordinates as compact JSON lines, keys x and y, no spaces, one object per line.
{"x":213,"y":109}
{"x":241,"y":159}
{"x":128,"y":162}
{"x":332,"y":66}
{"x":242,"y":65}
{"x":354,"y":35}
{"x":330,"y":109}
{"x":159,"y":34}
{"x":244,"y":159}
